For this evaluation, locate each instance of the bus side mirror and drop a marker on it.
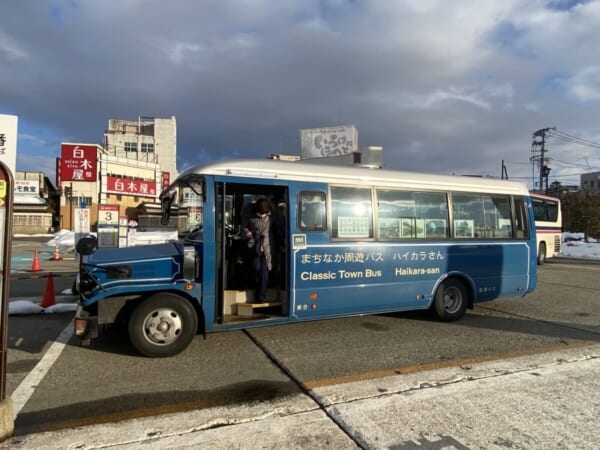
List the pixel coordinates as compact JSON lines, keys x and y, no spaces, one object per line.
{"x":86,"y":245}
{"x":166,"y":200}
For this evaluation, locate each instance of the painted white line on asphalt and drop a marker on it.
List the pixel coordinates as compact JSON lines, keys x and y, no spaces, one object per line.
{"x":23,"y":393}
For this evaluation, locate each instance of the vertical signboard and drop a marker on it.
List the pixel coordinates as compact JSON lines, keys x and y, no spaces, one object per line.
{"x":165,"y":180}
{"x":6,"y":205}
{"x":78,"y":162}
{"x":329,"y":141}
{"x":8,"y":141}
{"x":81,"y":224}
{"x":108,"y":225}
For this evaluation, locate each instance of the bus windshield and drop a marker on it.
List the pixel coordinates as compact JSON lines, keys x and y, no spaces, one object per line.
{"x":181,"y":204}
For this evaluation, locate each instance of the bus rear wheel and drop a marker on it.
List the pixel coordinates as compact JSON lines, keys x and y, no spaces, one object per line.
{"x":541,"y":256}
{"x":162,"y":325}
{"x":451,"y":300}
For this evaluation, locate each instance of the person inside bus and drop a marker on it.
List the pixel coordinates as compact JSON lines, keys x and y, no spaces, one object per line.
{"x":260,"y":237}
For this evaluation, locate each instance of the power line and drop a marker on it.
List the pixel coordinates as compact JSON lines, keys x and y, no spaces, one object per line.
{"x":582,"y":166}
{"x":566,"y":137}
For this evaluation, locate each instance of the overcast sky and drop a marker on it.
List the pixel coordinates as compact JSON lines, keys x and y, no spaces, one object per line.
{"x":443,"y":86}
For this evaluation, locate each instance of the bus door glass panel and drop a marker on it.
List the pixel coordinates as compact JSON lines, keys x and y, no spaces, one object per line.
{"x":351,"y":213}
{"x":311,"y":211}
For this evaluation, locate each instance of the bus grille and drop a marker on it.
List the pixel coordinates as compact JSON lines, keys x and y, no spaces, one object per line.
{"x":556,"y":244}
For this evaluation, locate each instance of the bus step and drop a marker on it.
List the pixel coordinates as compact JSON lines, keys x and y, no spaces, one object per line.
{"x":247,"y":309}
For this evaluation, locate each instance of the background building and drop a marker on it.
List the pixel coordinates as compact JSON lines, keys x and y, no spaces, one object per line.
{"x":590,"y":182}
{"x":149,"y":139}
{"x":35,"y":204}
{"x":137,"y":160}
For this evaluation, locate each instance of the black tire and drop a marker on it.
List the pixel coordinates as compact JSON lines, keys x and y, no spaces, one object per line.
{"x":177,"y":320}
{"x":541,"y":255}
{"x":451,"y":300}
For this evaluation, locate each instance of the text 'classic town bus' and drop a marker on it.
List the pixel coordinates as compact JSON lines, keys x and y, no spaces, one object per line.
{"x":344,"y":241}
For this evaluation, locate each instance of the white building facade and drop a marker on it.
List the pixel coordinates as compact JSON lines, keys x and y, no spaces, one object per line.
{"x":136,"y":162}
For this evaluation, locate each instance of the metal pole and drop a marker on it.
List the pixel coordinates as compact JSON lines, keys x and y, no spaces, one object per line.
{"x":71,"y":207}
{"x":6,"y":210}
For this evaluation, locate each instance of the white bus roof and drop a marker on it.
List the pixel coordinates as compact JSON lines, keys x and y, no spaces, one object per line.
{"x":547,"y":197}
{"x":358,"y":176}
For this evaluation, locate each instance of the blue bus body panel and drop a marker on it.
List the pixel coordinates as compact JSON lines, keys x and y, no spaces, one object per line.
{"x":364,"y":278}
{"x":142,"y":269}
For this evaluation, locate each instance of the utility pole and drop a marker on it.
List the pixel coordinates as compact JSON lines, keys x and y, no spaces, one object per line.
{"x":538,"y":155}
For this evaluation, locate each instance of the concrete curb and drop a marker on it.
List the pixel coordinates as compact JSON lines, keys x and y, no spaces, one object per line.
{"x":7,"y":424}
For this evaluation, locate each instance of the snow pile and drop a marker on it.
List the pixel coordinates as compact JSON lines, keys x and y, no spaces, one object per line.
{"x":573,"y":246}
{"x":63,"y":238}
{"x":23,"y":307}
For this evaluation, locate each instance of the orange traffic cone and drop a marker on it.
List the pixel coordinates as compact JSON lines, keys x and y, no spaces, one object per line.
{"x":35,"y":266}
{"x":49,"y":299}
{"x":56,"y":255}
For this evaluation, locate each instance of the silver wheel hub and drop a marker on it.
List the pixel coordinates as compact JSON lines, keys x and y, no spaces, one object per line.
{"x":452,"y":299}
{"x":163,"y":326}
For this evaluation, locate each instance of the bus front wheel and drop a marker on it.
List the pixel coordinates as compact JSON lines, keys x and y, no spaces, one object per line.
{"x":541,"y":256}
{"x":162,"y":325}
{"x":451,"y":300}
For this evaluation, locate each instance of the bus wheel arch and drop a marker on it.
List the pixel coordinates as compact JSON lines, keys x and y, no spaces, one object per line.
{"x":541,"y":254}
{"x":452,"y":298}
{"x":162,"y":325}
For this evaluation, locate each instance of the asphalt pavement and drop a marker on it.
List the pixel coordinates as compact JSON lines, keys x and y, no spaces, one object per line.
{"x":549,"y":400}
{"x":544,"y":401}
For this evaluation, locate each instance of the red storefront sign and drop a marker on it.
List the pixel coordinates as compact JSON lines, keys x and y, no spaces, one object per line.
{"x":78,"y":162}
{"x":118,"y":185}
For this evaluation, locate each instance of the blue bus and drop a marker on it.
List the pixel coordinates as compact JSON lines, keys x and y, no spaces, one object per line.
{"x":350,"y":241}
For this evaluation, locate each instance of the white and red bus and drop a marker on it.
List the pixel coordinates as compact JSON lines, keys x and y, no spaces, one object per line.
{"x":548,"y":226}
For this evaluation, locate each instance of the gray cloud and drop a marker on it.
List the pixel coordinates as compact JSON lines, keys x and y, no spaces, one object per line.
{"x":447,"y":87}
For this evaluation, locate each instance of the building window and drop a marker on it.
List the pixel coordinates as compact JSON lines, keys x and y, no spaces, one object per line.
{"x":131,"y":146}
{"x":78,"y":201}
{"x":147,"y":148}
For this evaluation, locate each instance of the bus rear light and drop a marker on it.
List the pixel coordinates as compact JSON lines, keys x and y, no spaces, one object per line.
{"x":313,"y":306}
{"x":80,"y":327}
{"x":314,"y":296}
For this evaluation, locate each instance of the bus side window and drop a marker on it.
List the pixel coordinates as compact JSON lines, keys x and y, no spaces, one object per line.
{"x":351,"y":213}
{"x":521,"y":229}
{"x":311,"y":211}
